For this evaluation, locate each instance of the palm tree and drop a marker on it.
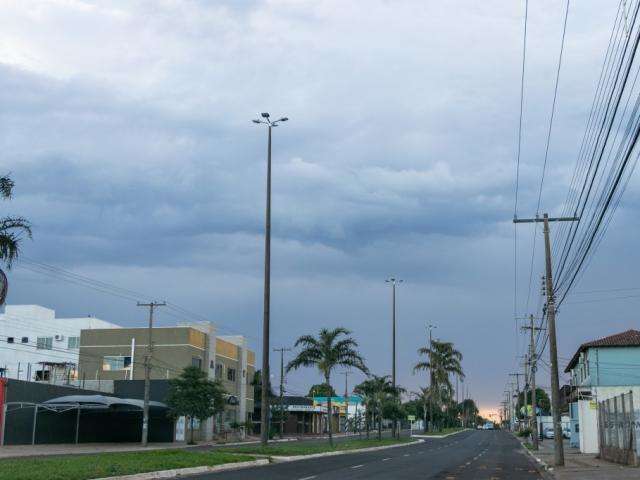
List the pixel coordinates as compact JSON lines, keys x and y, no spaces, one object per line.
{"x":329,"y":350}
{"x":442,"y":361}
{"x":12,"y":230}
{"x":376,"y":392}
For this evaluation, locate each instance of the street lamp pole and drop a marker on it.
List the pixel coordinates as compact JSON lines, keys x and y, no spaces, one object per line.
{"x":430,"y":327}
{"x":393,"y":281}
{"x":264,"y":411}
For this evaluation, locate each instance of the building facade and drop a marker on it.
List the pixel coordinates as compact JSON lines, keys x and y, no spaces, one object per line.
{"x":119,"y":355}
{"x":600,"y":370}
{"x":37,"y":345}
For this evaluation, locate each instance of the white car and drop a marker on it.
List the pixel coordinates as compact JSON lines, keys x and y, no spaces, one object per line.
{"x":548,"y":433}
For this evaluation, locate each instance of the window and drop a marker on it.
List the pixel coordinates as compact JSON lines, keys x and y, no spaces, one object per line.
{"x":10,"y":340}
{"x":211,"y":364}
{"x":73,"y":342}
{"x":116,"y":362}
{"x":231,"y":374}
{"x":196,"y":362}
{"x":219,"y":370}
{"x":25,"y":339}
{"x":45,"y":343}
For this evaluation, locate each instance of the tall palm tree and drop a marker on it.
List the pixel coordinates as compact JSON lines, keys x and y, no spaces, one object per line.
{"x":442,"y":361}
{"x":12,"y":229}
{"x":329,"y":350}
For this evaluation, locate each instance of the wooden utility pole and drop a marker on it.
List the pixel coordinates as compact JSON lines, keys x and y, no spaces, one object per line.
{"x":532,"y":379}
{"x":551,"y":324}
{"x":281,"y":350}
{"x":147,"y":370}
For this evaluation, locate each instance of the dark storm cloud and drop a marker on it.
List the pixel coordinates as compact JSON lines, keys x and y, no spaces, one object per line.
{"x":126,"y":126}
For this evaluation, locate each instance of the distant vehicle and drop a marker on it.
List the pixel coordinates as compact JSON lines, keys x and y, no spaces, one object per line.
{"x":566,"y":433}
{"x":548,"y":433}
{"x":488,"y":426}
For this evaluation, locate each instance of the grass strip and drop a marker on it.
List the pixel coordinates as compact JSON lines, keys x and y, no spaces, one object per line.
{"x":309,"y":448}
{"x":85,"y":467}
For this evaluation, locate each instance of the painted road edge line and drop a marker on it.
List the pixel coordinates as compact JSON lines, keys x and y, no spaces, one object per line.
{"x":280,"y":459}
{"x":440,"y":436}
{"x":178,"y":472}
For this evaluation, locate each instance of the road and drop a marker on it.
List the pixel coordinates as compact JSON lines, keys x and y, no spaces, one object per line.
{"x":470,"y":455}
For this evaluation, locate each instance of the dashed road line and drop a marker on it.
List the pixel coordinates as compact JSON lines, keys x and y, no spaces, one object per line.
{"x":385,"y":459}
{"x":308,"y":478}
{"x":358,"y":466}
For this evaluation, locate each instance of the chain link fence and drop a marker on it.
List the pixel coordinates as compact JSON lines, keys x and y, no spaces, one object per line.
{"x":617,"y":428}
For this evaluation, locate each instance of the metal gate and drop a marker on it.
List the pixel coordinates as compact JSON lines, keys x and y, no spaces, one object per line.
{"x":617,"y":429}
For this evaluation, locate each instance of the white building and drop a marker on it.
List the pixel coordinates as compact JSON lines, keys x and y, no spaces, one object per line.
{"x":35,"y":345}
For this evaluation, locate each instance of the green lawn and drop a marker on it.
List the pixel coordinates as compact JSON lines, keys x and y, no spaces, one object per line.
{"x":84,"y":467}
{"x":308,"y":447}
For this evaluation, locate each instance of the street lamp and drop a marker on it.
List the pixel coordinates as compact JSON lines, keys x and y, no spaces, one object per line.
{"x":430,"y":327}
{"x":264,"y":412}
{"x":393,"y":281}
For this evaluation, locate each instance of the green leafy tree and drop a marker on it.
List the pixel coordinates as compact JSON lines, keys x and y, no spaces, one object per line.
{"x":468,"y":411}
{"x":376,"y":392}
{"x":542,"y":400}
{"x":326,"y":352}
{"x":443,"y":360}
{"x":193,"y":395}
{"x":256,"y":383}
{"x":322,"y":390}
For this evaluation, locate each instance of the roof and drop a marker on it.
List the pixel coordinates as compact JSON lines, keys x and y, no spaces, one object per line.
{"x":102,"y":401}
{"x":629,"y":338}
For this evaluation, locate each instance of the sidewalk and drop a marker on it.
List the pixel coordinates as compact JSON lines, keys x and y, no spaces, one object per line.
{"x":582,"y":466}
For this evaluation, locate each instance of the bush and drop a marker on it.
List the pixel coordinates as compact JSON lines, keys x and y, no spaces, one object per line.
{"x":525,"y":432}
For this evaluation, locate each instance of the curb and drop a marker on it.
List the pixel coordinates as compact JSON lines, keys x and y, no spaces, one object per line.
{"x":543,"y":468}
{"x":179,"y":472}
{"x":440,"y":436}
{"x":279,"y":459}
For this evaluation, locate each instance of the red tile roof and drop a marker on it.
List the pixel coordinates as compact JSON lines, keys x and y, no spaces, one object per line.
{"x":630,"y":338}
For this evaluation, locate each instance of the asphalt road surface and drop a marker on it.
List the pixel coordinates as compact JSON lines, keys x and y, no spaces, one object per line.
{"x":470,"y":455}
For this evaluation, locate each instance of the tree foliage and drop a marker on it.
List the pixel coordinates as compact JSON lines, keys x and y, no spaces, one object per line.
{"x":12,"y":229}
{"x":322,"y":390}
{"x":542,"y":400}
{"x":326,"y":352}
{"x":377,"y":393}
{"x":194,"y":396}
{"x":443,"y":360}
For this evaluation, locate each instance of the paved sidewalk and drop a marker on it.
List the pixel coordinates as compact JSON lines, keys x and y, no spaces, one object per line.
{"x":582,"y":466}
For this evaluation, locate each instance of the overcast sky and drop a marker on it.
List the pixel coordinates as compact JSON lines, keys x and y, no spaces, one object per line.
{"x":126,"y":126}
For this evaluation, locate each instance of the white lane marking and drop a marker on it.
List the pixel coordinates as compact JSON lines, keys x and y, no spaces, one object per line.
{"x":385,"y":459}
{"x":357,"y":466}
{"x":308,"y":478}
{"x":407,"y":454}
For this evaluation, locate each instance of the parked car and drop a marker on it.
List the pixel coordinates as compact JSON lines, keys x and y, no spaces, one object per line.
{"x":566,"y":432}
{"x":488,"y":426}
{"x":548,"y":433}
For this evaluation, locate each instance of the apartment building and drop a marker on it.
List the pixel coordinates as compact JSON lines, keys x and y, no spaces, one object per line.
{"x":107,"y":354}
{"x":35,"y":345}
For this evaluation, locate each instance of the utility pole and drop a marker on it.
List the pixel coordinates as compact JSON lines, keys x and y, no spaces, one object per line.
{"x":346,"y":398}
{"x":393,"y":281}
{"x":526,"y":385}
{"x":517,"y":375}
{"x":264,"y":412}
{"x":551,"y":325}
{"x":532,"y":369}
{"x":147,"y":370}
{"x":281,"y":350}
